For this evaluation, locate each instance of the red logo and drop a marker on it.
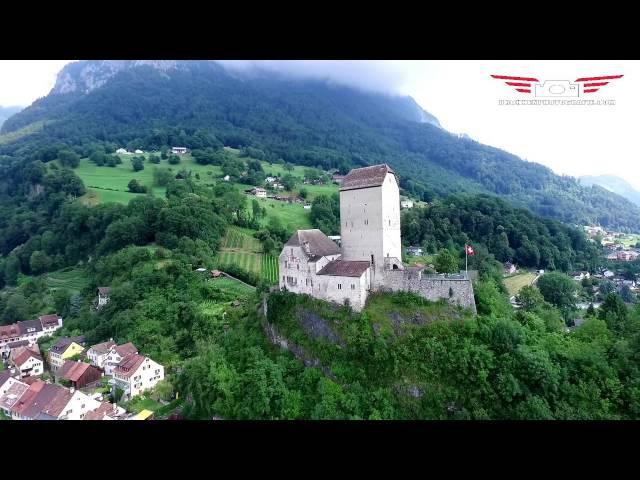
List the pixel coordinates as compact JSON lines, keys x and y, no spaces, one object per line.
{"x":469,"y":250}
{"x":557,"y":88}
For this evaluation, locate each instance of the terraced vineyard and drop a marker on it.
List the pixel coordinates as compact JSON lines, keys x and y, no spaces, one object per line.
{"x":240,"y":248}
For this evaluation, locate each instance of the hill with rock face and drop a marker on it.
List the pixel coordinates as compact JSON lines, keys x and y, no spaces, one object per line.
{"x":199,"y":104}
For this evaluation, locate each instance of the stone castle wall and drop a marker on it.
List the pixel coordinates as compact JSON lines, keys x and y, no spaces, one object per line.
{"x":456,"y":289}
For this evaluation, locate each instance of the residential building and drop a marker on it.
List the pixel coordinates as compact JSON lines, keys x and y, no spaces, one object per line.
{"x":226,"y":178}
{"x":138,"y":152}
{"x":136,"y":374}
{"x":106,"y":411}
{"x":7,"y":379}
{"x":98,"y":353}
{"x":64,"y":349}
{"x":79,"y":374}
{"x":579,"y":276}
{"x":29,"y":363}
{"x":11,"y":393}
{"x":259,"y":192}
{"x":406,"y":204}
{"x":509,"y":268}
{"x":179,"y":150}
{"x":271,"y":179}
{"x":121,"y":151}
{"x":13,"y":336}
{"x":103,"y":296}
{"x":414,"y":251}
{"x":117,"y":354}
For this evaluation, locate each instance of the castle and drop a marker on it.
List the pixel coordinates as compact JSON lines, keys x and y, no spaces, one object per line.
{"x":370,"y":257}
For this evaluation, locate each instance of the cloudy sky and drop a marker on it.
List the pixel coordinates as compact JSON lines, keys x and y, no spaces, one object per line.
{"x":570,"y":139}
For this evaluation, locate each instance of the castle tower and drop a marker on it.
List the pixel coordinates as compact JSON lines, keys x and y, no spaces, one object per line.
{"x":370,"y":219}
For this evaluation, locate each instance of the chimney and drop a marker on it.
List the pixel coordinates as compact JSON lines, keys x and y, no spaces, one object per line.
{"x":306,"y":247}
{"x":72,"y":389}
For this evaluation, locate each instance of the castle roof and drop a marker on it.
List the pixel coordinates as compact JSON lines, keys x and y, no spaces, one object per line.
{"x":366,"y":177}
{"x":317,"y":242}
{"x":344,"y":268}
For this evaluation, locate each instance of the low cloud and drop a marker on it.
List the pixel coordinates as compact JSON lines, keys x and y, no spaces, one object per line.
{"x":369,"y":75}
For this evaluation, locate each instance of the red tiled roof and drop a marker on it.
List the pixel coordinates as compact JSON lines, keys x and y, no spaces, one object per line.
{"x":73,"y":371}
{"x":9,"y":331}
{"x":344,"y":268}
{"x":52,"y":402}
{"x":126,"y":349}
{"x":129,"y":365}
{"x":49,"y":320}
{"x":28,"y":397}
{"x":99,"y":413}
{"x":24,"y":356}
{"x":366,"y":177}
{"x":14,"y":394}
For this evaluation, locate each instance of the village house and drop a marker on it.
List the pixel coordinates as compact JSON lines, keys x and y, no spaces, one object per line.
{"x":7,"y":378}
{"x":509,"y":268}
{"x":179,"y":150}
{"x":117,"y":354}
{"x":12,"y":336}
{"x":226,"y":178}
{"x":259,"y":192}
{"x":138,"y":152}
{"x":369,"y":258}
{"x":579,"y":276}
{"x":337,"y":178}
{"x":103,"y":296}
{"x":406,"y":203}
{"x":13,"y":392}
{"x":271,"y":179}
{"x":28,"y":363}
{"x":106,"y":411}
{"x":79,"y":374}
{"x":121,"y":151}
{"x":136,"y":374}
{"x":97,"y":354}
{"x":414,"y":251}
{"x":64,"y":349}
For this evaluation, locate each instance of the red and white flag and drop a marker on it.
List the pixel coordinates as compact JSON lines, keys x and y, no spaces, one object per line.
{"x":470,"y":251}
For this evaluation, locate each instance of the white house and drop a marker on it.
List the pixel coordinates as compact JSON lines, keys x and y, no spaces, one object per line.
{"x":29,"y":331}
{"x":103,"y":296}
{"x":29,"y":363}
{"x":415,"y":251}
{"x":122,"y":151}
{"x":406,"y":204}
{"x":271,"y":179}
{"x":137,"y":152}
{"x":307,"y":207}
{"x":98,"y":354}
{"x":226,"y":178}
{"x":116,"y":355}
{"x":78,"y":406}
{"x":136,"y":374}
{"x":260,"y":192}
{"x":179,"y":150}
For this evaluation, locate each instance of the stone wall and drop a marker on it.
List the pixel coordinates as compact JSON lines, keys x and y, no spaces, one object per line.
{"x":457,"y":289}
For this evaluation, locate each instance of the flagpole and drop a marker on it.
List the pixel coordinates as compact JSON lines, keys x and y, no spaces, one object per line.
{"x":466,"y":261}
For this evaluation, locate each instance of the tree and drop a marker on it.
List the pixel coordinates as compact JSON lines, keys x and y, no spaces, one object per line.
{"x":304,"y":193}
{"x":627,"y":295}
{"x":39,"y":262}
{"x":154,"y":159}
{"x":135,"y":187}
{"x":289,"y":167}
{"x":16,"y":309}
{"x":558,"y":289}
{"x":614,"y":312}
{"x":530,"y":298}
{"x":137,"y":164}
{"x":446,"y":262}
{"x":69,"y":158}
{"x":162,"y":177}
{"x":11,"y":270}
{"x":174,"y":159}
{"x":289,"y":181}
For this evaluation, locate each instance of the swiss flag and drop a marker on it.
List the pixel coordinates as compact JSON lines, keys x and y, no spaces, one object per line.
{"x":470,"y":251}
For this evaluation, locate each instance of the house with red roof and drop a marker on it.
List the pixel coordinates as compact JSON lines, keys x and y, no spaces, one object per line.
{"x":117,"y":354}
{"x":28,"y":363}
{"x":79,"y":374}
{"x":136,"y":374}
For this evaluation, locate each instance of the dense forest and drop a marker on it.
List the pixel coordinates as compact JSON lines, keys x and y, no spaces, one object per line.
{"x":304,"y":122}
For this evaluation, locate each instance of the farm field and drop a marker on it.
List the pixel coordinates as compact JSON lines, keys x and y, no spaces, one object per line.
{"x":292,"y":215}
{"x":515,"y":283}
{"x":241,"y":249}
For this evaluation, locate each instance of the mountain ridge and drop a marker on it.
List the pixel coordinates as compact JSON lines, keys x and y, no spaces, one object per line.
{"x":308,"y":122}
{"x":614,"y":184}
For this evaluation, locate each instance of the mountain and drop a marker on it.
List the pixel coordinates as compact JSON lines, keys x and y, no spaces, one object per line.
{"x":6,"y":112}
{"x":613,"y":184}
{"x":200,"y":104}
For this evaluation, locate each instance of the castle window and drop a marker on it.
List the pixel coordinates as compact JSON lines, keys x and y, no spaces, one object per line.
{"x":339,"y":286}
{"x":285,"y":264}
{"x":353,"y":286}
{"x":298,"y":266}
{"x":389,"y":222}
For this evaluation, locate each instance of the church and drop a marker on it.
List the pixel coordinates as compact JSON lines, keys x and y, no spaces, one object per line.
{"x":370,"y":256}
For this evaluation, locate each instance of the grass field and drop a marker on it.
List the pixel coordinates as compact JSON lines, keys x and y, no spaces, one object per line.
{"x":292,"y":215}
{"x":516,"y":282}
{"x":629,"y":240}
{"x":73,"y":279}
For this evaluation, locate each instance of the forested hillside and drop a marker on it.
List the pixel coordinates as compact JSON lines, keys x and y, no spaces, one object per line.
{"x":311,"y":123}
